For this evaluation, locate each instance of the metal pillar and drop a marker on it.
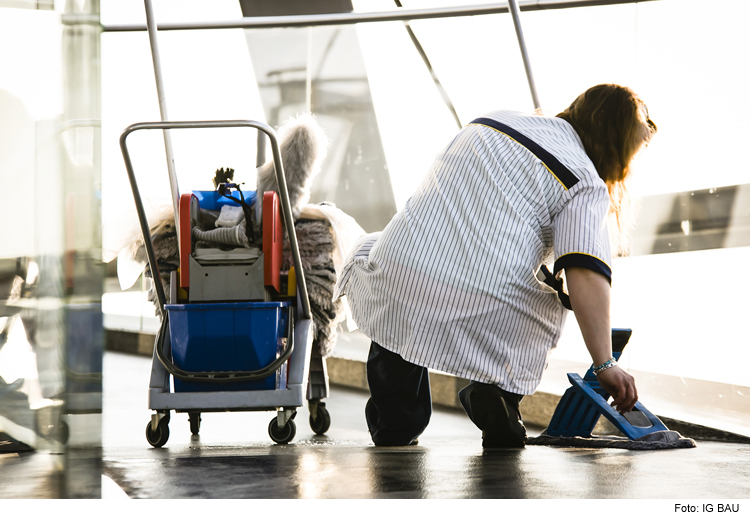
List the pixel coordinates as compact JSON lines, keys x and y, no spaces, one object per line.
{"x":514,"y":11}
{"x":438,"y":84}
{"x":152,"y":37}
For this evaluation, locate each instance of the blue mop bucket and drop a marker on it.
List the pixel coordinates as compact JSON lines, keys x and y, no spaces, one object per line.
{"x":245,"y":336}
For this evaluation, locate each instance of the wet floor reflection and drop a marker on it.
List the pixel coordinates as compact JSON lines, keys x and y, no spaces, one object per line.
{"x":401,"y":472}
{"x":608,"y":473}
{"x":272,"y":472}
{"x":569,"y":473}
{"x":308,"y":471}
{"x":497,"y":473}
{"x":325,"y":470}
{"x":31,"y":475}
{"x":241,"y":477}
{"x":290,"y":471}
{"x":325,"y":473}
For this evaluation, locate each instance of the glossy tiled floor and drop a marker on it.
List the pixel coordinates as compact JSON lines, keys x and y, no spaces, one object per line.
{"x":234,"y":458}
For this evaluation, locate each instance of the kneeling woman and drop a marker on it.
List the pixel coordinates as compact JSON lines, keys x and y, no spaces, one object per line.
{"x":452,"y":282}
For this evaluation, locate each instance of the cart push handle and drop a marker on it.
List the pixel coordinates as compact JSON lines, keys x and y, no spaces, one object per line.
{"x":286,"y":208}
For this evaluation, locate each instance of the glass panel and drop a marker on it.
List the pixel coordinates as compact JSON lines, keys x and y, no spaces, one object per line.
{"x":50,"y":252}
{"x":321,"y":70}
{"x":32,"y":375}
{"x":711,"y":218}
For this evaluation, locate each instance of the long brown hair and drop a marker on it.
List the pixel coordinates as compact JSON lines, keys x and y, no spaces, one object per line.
{"x":612,"y":122}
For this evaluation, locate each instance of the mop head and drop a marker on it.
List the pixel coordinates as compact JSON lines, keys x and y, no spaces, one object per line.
{"x":303,"y":145}
{"x":316,"y":244}
{"x":661,"y":440}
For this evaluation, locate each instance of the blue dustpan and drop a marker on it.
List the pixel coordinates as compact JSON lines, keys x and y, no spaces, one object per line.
{"x":585,"y":401}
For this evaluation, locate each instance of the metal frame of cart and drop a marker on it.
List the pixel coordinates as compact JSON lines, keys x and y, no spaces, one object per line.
{"x":161,"y":399}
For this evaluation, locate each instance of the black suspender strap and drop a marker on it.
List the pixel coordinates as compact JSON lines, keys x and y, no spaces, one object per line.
{"x":556,"y":168}
{"x":557,"y":285}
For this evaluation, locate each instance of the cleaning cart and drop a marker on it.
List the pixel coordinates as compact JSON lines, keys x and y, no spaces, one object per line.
{"x":236,"y":335}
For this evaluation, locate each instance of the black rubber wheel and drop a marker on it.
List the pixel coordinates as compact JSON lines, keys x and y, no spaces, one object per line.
{"x":158,"y":438}
{"x":323,"y":422}
{"x":63,"y":432}
{"x":279,"y":435}
{"x":195,"y":422}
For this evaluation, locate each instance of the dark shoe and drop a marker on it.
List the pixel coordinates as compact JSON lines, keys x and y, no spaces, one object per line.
{"x":9,"y":445}
{"x":389,"y":437}
{"x":12,"y":387}
{"x":499,"y":420}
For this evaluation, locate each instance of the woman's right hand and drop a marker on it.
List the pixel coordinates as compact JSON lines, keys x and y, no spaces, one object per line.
{"x":621,"y":386}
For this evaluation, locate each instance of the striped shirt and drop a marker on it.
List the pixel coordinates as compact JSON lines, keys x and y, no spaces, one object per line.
{"x":451,"y":283}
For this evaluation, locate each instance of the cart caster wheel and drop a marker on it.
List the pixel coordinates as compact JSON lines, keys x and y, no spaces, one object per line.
{"x":158,"y":438}
{"x":321,"y":425}
{"x":279,"y":435}
{"x":195,"y":422}
{"x":63,"y":432}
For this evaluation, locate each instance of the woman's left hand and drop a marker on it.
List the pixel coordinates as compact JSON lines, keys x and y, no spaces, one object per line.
{"x":621,"y":386}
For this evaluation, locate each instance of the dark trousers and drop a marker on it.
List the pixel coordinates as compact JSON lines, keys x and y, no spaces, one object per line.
{"x":400,"y":404}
